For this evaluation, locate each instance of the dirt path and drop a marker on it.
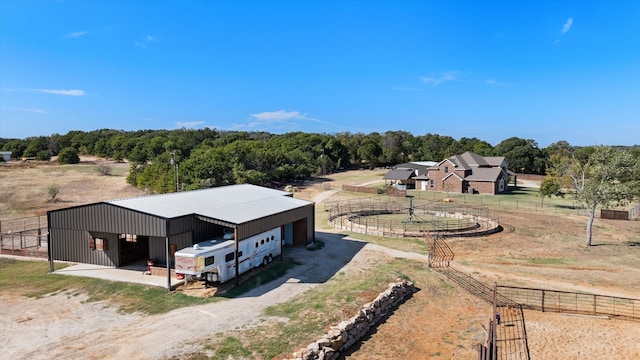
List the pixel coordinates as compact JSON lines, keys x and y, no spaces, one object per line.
{"x":64,"y":327}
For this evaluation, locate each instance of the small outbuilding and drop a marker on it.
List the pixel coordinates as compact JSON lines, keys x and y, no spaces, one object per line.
{"x":5,"y":155}
{"x":120,"y":232}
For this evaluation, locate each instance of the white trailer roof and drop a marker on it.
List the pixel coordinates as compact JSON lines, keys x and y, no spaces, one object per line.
{"x":234,"y":204}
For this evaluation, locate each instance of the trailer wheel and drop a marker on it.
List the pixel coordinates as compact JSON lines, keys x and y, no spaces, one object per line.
{"x":265,"y":261}
{"x":270,"y":258}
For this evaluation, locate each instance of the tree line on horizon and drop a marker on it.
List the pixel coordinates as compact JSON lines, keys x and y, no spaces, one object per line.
{"x":208,"y":157}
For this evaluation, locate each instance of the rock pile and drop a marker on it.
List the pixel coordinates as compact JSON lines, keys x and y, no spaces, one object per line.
{"x":342,"y":336}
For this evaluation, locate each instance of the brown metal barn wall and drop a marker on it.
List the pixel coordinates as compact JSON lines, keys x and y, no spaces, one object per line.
{"x":202,"y":230}
{"x":259,"y":225}
{"x":73,"y":245}
{"x":107,"y":218}
{"x":158,"y":249}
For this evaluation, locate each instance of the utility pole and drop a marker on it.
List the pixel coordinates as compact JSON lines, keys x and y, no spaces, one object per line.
{"x":324,"y":164}
{"x":174,"y":163}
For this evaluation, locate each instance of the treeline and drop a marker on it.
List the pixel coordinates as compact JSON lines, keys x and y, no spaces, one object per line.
{"x":207,"y":157}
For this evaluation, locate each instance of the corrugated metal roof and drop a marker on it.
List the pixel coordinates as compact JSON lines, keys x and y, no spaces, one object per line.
{"x":425,"y":163}
{"x":235,"y":203}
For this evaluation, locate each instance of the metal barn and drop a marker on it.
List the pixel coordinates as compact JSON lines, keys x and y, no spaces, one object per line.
{"x":117,"y":233}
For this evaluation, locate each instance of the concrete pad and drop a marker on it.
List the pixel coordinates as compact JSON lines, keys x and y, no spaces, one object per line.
{"x":136,"y":275}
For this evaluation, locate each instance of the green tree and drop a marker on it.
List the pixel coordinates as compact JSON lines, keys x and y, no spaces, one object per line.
{"x":607,"y":177}
{"x":53,"y":190}
{"x":370,"y":150}
{"x":68,"y":155}
{"x":523,"y":155}
{"x":548,"y":187}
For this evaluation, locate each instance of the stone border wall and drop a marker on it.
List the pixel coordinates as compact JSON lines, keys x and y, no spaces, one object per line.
{"x":344,"y":335}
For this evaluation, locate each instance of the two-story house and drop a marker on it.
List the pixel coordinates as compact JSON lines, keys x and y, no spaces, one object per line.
{"x":466,"y":173}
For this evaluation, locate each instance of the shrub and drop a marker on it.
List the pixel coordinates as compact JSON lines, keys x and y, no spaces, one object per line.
{"x":53,"y":190}
{"x":68,"y":155}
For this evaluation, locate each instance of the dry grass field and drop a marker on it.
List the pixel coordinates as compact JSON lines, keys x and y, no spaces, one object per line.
{"x":24,"y":185}
{"x":441,"y":321}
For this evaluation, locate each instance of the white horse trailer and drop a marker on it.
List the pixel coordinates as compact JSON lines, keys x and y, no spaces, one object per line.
{"x":214,"y":260}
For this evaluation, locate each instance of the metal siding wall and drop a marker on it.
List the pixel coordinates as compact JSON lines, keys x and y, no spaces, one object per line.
{"x":107,"y":218}
{"x":276,"y":220}
{"x":73,"y":245}
{"x":202,"y":230}
{"x":157,"y":249}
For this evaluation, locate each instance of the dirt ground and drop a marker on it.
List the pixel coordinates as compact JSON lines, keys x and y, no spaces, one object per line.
{"x":438,"y":322}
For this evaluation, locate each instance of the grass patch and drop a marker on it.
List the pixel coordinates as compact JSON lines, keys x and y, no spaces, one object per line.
{"x":273,"y":272}
{"x":230,"y":348}
{"x":31,"y":279}
{"x":309,"y":315}
{"x":546,"y":261}
{"x":416,"y":245}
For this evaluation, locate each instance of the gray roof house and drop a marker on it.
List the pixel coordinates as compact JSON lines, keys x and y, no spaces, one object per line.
{"x":466,"y":173}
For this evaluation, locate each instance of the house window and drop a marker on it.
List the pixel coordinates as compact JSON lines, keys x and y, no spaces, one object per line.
{"x":431,"y":183}
{"x":446,"y":169}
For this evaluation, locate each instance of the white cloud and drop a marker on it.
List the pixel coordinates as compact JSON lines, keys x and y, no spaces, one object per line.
{"x":565,"y":28}
{"x":497,"y":83}
{"x":276,"y":116}
{"x":188,"y":124}
{"x":567,"y":25}
{"x":279,"y":117}
{"x":77,"y":34}
{"x":38,"y":111}
{"x":147,"y":39}
{"x":435,"y":80}
{"x":60,"y":92}
{"x":400,"y":88}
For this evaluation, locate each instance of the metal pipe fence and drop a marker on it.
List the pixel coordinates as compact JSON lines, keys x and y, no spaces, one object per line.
{"x":24,"y":237}
{"x":573,"y":302}
{"x":371,"y":216}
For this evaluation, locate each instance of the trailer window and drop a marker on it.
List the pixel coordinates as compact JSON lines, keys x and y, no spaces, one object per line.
{"x":272,"y":237}
{"x":256,"y":244}
{"x":209,"y":260}
{"x":267,"y":239}
{"x":239,"y":254}
{"x":261,"y":241}
{"x":229,"y":257}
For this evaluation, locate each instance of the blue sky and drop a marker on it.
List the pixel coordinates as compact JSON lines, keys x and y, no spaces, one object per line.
{"x":542,"y":70}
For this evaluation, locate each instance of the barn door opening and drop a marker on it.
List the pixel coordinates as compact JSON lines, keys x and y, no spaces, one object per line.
{"x":132,"y":248}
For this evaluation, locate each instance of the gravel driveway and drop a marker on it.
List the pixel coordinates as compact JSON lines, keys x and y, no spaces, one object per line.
{"x":63,"y":327}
